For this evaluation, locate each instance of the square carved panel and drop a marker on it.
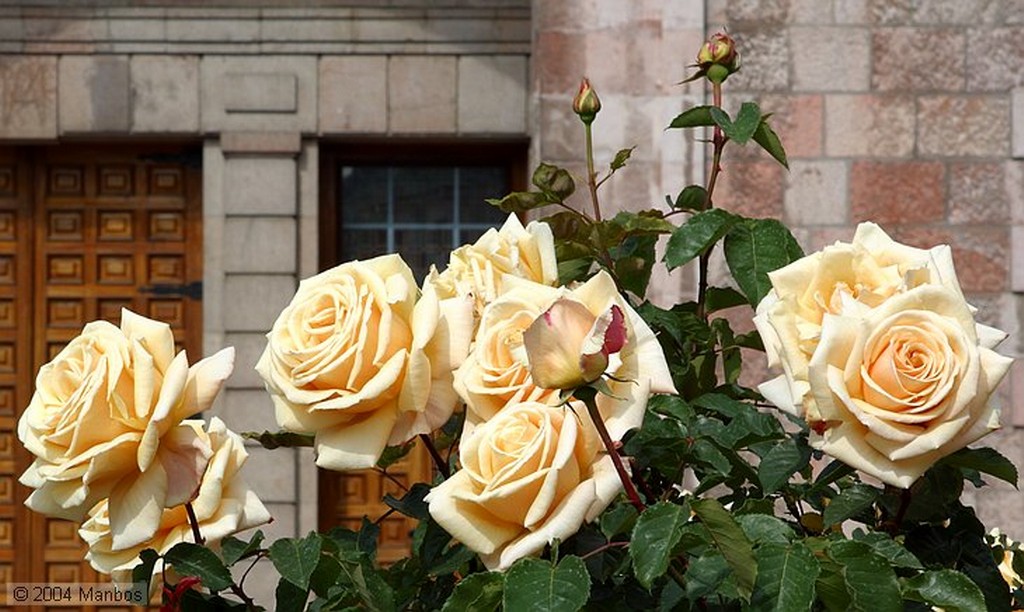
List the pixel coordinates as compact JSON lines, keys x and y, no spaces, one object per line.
{"x":166,"y":269}
{"x":63,"y":572}
{"x":65,"y":225}
{"x":115,"y":181}
{"x":109,"y":309}
{"x":6,"y":533}
{"x":6,"y":489}
{"x":171,"y":312}
{"x":7,"y":401}
{"x":53,"y":349}
{"x":166,"y":181}
{"x":65,"y":181}
{"x":167,"y":226}
{"x":6,"y":445}
{"x":66,"y":270}
{"x":6,"y":357}
{"x":8,"y":317}
{"x":65,"y":313}
{"x":7,"y":276}
{"x":115,"y":270}
{"x":8,"y":181}
{"x":114,"y":225}
{"x":8,"y":226}
{"x":61,"y":533}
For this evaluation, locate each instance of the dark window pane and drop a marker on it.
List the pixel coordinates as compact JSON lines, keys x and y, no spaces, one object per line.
{"x":420,"y":248}
{"x":424,"y":195}
{"x":476,"y":184}
{"x":364,"y":194}
{"x":467,"y":236}
{"x":363,"y":244}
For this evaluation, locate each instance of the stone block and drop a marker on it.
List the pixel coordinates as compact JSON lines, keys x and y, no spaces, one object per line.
{"x":1017,"y":392}
{"x":353,"y":94}
{"x":248,"y":348}
{"x":93,"y":94}
{"x":260,"y":244}
{"x":977,"y":194}
{"x":751,"y":188}
{"x":28,"y":97}
{"x":255,"y":93}
{"x":816,"y":193}
{"x":869,"y":125}
{"x":214,"y":30}
{"x":165,"y":94}
{"x":918,"y":59}
{"x":260,"y":186}
{"x":1013,"y":170}
{"x":218,"y":97}
{"x":492,"y":94}
{"x":830,"y":58}
{"x":963,"y":126}
{"x":1017,"y":122}
{"x":283,"y":526}
{"x":996,"y":58}
{"x":252,"y":302}
{"x":799,"y":122}
{"x":271,"y":473}
{"x":766,"y":58}
{"x":897,"y":192}
{"x":421,"y":94}
{"x":775,"y":12}
{"x":247,"y":409}
{"x":1017,"y":271}
{"x":261,"y":143}
{"x":559,"y":61}
{"x":137,"y":29}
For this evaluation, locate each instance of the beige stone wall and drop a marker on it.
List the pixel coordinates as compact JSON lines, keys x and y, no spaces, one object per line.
{"x":903,"y":113}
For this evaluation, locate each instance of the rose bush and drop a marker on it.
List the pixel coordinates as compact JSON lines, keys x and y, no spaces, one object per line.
{"x":531,"y":474}
{"x":224,"y":505}
{"x":103,"y":423}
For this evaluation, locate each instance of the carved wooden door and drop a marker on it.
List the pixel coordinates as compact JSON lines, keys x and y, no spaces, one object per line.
{"x":92,"y":230}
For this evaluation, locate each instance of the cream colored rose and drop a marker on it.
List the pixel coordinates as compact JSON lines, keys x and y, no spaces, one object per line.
{"x":103,"y":423}
{"x":845,"y":279}
{"x":531,"y":474}
{"x":354,"y":360}
{"x":225,"y":505}
{"x":905,"y":384}
{"x":497,"y":371}
{"x":478,"y":269}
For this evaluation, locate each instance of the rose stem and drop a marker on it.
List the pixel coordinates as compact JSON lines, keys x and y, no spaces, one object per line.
{"x":587,"y":395}
{"x":439,"y":461}
{"x":591,"y":173}
{"x":719,"y":143}
{"x":194,"y":522}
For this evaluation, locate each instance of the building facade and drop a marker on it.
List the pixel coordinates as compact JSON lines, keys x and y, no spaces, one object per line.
{"x":195,"y":162}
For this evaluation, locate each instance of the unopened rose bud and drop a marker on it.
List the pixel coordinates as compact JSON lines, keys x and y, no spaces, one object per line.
{"x":586,"y":104}
{"x":718,"y":58}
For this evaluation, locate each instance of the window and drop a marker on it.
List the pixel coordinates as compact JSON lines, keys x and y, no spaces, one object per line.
{"x":419,"y":201}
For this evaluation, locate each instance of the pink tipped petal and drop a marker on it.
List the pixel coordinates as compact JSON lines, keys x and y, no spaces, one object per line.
{"x":184,"y":454}
{"x":615,"y":334}
{"x":554,"y":345}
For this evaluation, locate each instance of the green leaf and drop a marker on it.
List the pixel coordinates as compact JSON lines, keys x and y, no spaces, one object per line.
{"x":536,"y":584}
{"x":721,"y":119}
{"x":785,"y":578}
{"x":700,"y":232}
{"x":705,"y":574}
{"x":477,"y":593}
{"x":281,"y":439}
{"x":692,"y":197}
{"x":394,"y":454}
{"x":633,"y":260}
{"x":765,"y":136}
{"x":697,"y":116}
{"x":296,"y":559}
{"x":520,"y":201}
{"x":869,"y":579}
{"x":731,"y":542}
{"x":985,"y":460}
{"x":194,"y":560}
{"x":747,"y":121}
{"x":850,"y":503}
{"x":412,"y":503}
{"x":368,"y":584}
{"x":618,"y":520}
{"x":554,"y":182}
{"x":289,"y":598}
{"x":888,"y":548}
{"x":764,"y":528}
{"x":721,"y":298}
{"x":755,"y":247}
{"x":143,"y":572}
{"x":947,"y":589}
{"x":657,"y":532}
{"x":782,"y":461}
{"x":620,"y":158}
{"x":233,"y":549}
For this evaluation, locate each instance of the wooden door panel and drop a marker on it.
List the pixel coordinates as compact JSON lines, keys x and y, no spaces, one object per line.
{"x":101,"y":229}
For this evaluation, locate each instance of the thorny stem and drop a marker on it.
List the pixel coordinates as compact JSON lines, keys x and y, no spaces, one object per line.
{"x":602,"y":548}
{"x":390,"y":477}
{"x":718,"y":141}
{"x":591,"y":173}
{"x":439,"y":462}
{"x":194,"y":523}
{"x":893,"y":526}
{"x":587,"y":397}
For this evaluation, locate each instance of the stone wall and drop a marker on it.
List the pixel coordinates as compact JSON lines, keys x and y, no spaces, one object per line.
{"x":903,"y":113}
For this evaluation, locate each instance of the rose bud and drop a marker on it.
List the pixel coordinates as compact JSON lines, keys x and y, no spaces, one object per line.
{"x":718,"y":58}
{"x":568,"y":346}
{"x":586,"y":104}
